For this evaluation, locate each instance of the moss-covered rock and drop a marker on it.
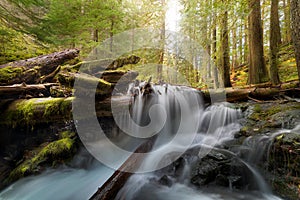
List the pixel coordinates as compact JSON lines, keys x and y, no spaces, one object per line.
{"x":50,"y":155}
{"x":282,"y":157}
{"x":264,"y":118}
{"x":284,"y":163}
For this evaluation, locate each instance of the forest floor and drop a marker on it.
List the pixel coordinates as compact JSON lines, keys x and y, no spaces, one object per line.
{"x":287,"y":69}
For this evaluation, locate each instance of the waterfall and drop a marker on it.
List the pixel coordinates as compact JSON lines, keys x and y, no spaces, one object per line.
{"x":215,"y":125}
{"x":187,"y":133}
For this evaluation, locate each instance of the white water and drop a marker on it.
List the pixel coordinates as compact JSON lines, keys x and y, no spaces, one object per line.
{"x":61,"y":184}
{"x":216,"y":124}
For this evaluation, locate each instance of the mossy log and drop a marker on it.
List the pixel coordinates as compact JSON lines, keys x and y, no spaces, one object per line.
{"x":111,"y":187}
{"x":113,"y":76}
{"x":94,"y":66}
{"x":21,"y":91}
{"x":35,"y":70}
{"x":87,"y":86}
{"x":29,"y":112}
{"x":106,"y":82}
{"x":256,"y":93}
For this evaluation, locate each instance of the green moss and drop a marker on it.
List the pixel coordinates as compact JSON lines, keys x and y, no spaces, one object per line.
{"x":55,"y":152}
{"x":260,"y":113}
{"x":67,"y":134}
{"x":26,"y":112}
{"x":9,"y":72}
{"x":103,"y":86}
{"x":53,"y":107}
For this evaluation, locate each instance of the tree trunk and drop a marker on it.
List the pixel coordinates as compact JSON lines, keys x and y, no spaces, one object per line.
{"x":234,"y":49}
{"x":257,"y":67}
{"x":214,"y":53}
{"x":95,"y":35}
{"x":295,"y":15}
{"x":225,"y":65}
{"x":112,"y":186}
{"x":162,"y":40}
{"x":241,"y":46}
{"x":287,"y":21}
{"x":275,"y":40}
{"x":21,"y":91}
{"x":111,"y":34}
{"x":246,"y":54}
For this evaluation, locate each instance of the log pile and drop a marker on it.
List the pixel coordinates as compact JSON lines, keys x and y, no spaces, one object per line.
{"x":43,"y":76}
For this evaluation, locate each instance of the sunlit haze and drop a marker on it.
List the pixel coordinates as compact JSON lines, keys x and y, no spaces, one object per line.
{"x":173,"y":15}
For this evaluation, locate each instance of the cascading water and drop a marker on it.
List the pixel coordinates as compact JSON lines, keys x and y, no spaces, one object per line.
{"x":185,"y":132}
{"x":216,"y":124}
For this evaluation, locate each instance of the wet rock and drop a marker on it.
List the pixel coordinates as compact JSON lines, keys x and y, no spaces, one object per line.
{"x":166,"y":180}
{"x":223,"y":170}
{"x":222,"y":180}
{"x":267,"y":117}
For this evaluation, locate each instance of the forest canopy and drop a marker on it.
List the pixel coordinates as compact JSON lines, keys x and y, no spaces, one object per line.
{"x":248,"y":41}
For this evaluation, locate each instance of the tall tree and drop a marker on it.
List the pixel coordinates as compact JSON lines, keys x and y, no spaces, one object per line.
{"x":162,"y":42}
{"x":257,"y":67}
{"x":224,"y":49}
{"x":214,"y":52}
{"x":275,"y":40}
{"x":287,"y":21}
{"x":295,"y":16}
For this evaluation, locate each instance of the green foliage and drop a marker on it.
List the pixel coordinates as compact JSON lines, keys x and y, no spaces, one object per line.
{"x":80,"y":23}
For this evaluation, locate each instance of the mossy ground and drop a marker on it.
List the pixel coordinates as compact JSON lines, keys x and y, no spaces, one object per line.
{"x":287,"y":68}
{"x":18,"y":46}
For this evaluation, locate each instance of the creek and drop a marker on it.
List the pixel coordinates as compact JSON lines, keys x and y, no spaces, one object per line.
{"x":195,"y":154}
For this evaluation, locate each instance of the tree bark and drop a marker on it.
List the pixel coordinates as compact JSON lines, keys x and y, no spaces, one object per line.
{"x":214,"y":53}
{"x":25,"y":91}
{"x":287,"y":21}
{"x":225,"y":65}
{"x":234,"y":49}
{"x":275,"y":40}
{"x":162,"y":42}
{"x":112,"y":186}
{"x":295,"y":15}
{"x":257,"y":67}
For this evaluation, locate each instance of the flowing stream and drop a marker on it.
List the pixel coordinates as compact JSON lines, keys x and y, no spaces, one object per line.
{"x":179,"y":119}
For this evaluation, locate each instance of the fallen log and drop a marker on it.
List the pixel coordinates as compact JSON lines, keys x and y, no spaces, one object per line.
{"x":94,"y":66}
{"x":35,"y":70}
{"x":258,"y":92}
{"x":107,"y":81}
{"x":111,"y":187}
{"x":29,"y":112}
{"x":21,"y":91}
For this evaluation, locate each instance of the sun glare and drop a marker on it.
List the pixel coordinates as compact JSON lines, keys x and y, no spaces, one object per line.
{"x":173,"y":15}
